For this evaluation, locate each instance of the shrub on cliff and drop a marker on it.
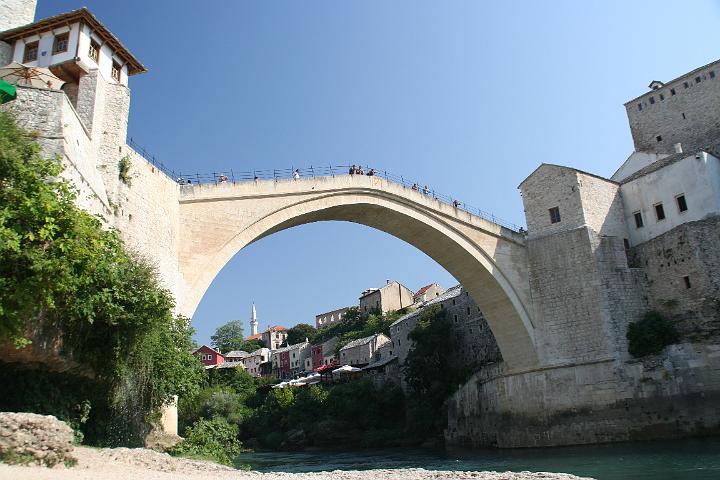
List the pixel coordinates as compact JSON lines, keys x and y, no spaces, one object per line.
{"x":214,"y":440}
{"x":432,"y":372}
{"x":651,"y":334}
{"x":62,"y":274}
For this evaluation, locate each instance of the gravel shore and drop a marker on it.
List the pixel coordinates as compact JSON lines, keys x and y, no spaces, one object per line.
{"x":138,"y":463}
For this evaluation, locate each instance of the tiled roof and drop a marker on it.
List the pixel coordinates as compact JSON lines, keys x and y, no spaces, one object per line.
{"x":254,"y":337}
{"x":543,"y":165}
{"x":361,"y":341}
{"x":80,"y":15}
{"x":380,"y":363}
{"x":451,"y":292}
{"x":236,"y":353}
{"x":712,"y":149}
{"x":209,"y":348}
{"x":423,"y":289}
{"x":291,"y":347}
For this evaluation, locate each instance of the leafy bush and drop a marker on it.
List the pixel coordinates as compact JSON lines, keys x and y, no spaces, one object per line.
{"x":65,"y":278}
{"x":214,"y":440}
{"x":124,"y":170}
{"x":431,"y":372}
{"x":650,"y":335}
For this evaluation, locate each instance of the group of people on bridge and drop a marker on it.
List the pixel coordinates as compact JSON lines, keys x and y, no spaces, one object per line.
{"x":358,"y":170}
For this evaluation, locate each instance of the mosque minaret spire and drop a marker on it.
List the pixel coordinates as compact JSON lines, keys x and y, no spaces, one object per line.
{"x":253,"y":321}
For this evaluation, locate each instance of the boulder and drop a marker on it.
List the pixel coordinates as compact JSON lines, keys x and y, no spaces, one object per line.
{"x":32,"y":438}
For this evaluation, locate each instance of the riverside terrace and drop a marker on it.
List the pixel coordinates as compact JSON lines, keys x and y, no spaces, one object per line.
{"x":235,"y":176}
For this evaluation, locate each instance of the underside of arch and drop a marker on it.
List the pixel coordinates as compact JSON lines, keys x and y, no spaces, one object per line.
{"x":476,"y":270}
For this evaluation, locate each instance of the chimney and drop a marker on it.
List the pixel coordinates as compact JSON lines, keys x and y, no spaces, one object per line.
{"x":677,"y":147}
{"x":387,"y":282}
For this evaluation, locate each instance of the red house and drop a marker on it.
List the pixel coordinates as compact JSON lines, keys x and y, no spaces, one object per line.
{"x":209,"y":356}
{"x":317,"y":356}
{"x":284,"y":364}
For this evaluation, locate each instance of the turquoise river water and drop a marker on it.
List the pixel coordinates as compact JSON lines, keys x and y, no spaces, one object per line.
{"x":661,"y":460}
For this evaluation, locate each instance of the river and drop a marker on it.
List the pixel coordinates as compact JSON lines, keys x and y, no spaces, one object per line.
{"x":693,"y":459}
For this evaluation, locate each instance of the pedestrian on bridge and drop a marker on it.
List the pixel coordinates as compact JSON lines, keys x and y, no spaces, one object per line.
{"x":296,"y":174}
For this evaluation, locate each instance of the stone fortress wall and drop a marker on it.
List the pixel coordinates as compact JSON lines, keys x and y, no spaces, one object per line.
{"x":592,"y":273}
{"x":682,"y":111}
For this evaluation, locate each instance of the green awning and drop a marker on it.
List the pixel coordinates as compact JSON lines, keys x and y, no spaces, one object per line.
{"x":8,"y":92}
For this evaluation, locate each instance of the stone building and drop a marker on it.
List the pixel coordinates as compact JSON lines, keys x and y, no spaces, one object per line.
{"x":273,"y":337}
{"x":290,"y":361}
{"x":476,"y":345}
{"x":326,"y":319}
{"x":362,"y":351}
{"x":392,"y":296}
{"x":323,"y":353}
{"x":255,"y":362}
{"x":602,"y":252}
{"x":426,"y":293}
{"x":235,"y":356}
{"x":685,"y":110}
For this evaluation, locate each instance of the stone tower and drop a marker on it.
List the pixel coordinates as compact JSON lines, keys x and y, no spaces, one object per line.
{"x":14,"y":13}
{"x":253,"y":321}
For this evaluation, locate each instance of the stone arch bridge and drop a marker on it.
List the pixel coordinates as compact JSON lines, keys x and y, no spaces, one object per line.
{"x":218,"y":220}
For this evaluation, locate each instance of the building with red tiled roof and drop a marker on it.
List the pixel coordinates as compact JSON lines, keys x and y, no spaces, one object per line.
{"x":427,"y":293}
{"x":209,"y":356}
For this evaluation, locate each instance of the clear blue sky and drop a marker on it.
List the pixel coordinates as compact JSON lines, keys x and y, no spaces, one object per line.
{"x":467,"y":96}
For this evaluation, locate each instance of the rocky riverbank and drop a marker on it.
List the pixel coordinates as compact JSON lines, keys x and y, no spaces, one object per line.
{"x":44,"y":445}
{"x":125,"y":463}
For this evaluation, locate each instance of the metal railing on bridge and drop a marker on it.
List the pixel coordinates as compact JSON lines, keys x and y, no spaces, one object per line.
{"x":236,"y":176}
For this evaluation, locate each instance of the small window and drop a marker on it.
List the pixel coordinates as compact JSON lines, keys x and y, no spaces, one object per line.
{"x":686,"y":84}
{"x":94,"y":51}
{"x":455,"y":317}
{"x":204,"y":357}
{"x":652,"y":100}
{"x":61,"y":43}
{"x":681,"y":203}
{"x":626,"y":243}
{"x":686,"y":279}
{"x":662,"y":97}
{"x":468,"y":310}
{"x":659,"y":138}
{"x":115,"y":73}
{"x":684,"y":117}
{"x":31,"y":51}
{"x":698,"y":79}
{"x":453,"y":301}
{"x":638,"y":219}
{"x":712,"y":73}
{"x":639,"y":106}
{"x":659,"y":212}
{"x":672,"y":91}
{"x":555,"y":215}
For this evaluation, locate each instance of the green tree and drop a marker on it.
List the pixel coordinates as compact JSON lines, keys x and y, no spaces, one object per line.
{"x":214,"y":439}
{"x":300,"y":332}
{"x":651,"y":334}
{"x":228,"y":337}
{"x":431,"y":372}
{"x":67,"y":280}
{"x":251,"y":345}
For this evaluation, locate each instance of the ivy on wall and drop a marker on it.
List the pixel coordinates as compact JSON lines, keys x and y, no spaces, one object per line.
{"x":62,"y":273}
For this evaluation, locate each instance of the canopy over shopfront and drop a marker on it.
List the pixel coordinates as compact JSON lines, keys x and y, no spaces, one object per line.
{"x":8,"y":92}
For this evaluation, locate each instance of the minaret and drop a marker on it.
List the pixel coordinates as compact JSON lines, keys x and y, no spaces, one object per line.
{"x":253,"y":321}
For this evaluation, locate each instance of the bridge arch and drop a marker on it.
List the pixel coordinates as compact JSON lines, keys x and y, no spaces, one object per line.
{"x":490,"y":261}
